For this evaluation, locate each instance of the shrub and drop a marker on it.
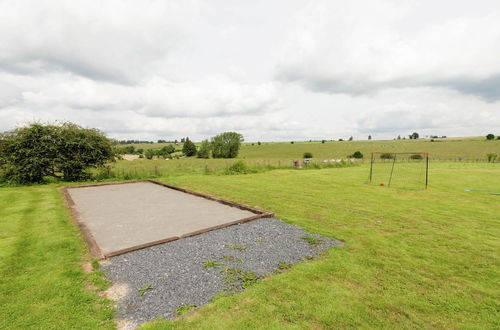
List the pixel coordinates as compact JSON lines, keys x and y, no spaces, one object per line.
{"x":28,"y":154}
{"x":491,"y":157}
{"x":291,"y":142}
{"x":416,"y":157}
{"x":386,"y":156}
{"x":189,"y":149}
{"x":167,"y":150}
{"x":128,"y":150}
{"x":226,"y":145}
{"x":205,"y":149}
{"x":490,"y":136}
{"x":356,"y":154}
{"x":239,"y":167}
{"x":308,"y":155}
{"x":149,"y":154}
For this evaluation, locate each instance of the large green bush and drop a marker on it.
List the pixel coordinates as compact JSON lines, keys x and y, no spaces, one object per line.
{"x":226,"y":145}
{"x":205,"y":149}
{"x":29,"y":154}
{"x":189,"y":149}
{"x":356,"y":154}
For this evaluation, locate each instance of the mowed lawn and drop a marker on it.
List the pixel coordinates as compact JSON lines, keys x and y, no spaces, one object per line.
{"x":42,"y":283}
{"x":412,"y":258}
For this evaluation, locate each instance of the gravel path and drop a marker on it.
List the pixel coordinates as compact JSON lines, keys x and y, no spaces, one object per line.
{"x":156,"y":281}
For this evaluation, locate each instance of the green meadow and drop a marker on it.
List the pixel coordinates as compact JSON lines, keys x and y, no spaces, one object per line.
{"x":412,"y":258}
{"x":439,"y":149}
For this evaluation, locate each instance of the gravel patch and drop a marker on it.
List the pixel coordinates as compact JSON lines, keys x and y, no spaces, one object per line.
{"x":157,"y":281}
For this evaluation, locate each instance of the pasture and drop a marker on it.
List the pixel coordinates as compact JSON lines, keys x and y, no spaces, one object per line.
{"x":412,"y":258}
{"x":439,"y":149}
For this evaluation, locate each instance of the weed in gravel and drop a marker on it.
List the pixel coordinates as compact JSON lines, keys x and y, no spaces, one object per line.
{"x":284,"y":265}
{"x":237,"y":277}
{"x":261,"y":240}
{"x":312,"y":240}
{"x":184,"y":309}
{"x":235,"y":247}
{"x":228,"y":258}
{"x":211,"y":264}
{"x":306,"y":258}
{"x":144,"y":289}
{"x":239,"y":260}
{"x":248,"y":278}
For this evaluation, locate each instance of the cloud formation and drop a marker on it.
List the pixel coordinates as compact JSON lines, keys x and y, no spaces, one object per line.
{"x":281,"y":70}
{"x":357,"y":47}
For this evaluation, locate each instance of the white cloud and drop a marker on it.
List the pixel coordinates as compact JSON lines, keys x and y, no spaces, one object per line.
{"x":151,"y":69}
{"x":113,"y":40}
{"x":360,"y":47}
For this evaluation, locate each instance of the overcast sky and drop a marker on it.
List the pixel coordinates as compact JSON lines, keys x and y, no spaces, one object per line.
{"x":271,"y":70}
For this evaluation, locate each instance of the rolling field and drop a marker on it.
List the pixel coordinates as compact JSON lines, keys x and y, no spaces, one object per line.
{"x":412,"y":258}
{"x":441,"y":149}
{"x":282,"y":154}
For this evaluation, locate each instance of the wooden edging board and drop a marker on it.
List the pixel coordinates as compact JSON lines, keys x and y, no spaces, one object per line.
{"x":94,"y":247}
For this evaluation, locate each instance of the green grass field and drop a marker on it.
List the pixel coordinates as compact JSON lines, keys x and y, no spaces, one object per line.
{"x":440,"y":149}
{"x":282,"y":155}
{"x":42,"y":282}
{"x":412,"y":258}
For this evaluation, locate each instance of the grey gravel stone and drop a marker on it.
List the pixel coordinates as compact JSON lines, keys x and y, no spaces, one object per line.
{"x":177,"y":276}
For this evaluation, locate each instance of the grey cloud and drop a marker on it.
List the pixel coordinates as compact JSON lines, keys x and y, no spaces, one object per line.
{"x":487,"y":89}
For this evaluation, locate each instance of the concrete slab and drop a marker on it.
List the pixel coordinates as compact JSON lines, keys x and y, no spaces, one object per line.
{"x":119,"y":218}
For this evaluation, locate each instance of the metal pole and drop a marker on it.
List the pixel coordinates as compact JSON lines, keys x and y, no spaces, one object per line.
{"x":371,"y":168}
{"x":392,"y":170}
{"x":427,"y":171}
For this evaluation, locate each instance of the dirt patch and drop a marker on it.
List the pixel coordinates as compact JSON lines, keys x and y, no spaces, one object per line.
{"x":130,"y":157}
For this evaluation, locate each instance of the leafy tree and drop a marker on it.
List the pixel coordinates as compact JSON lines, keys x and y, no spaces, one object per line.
{"x":291,"y":142}
{"x":189,"y":149}
{"x":414,"y":136}
{"x":490,"y":136}
{"x":205,"y":149}
{"x":351,"y":138}
{"x":323,"y":141}
{"x":258,"y":143}
{"x":226,"y":145}
{"x":167,"y":150}
{"x":28,"y":154}
{"x":80,"y":149}
{"x":369,"y":137}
